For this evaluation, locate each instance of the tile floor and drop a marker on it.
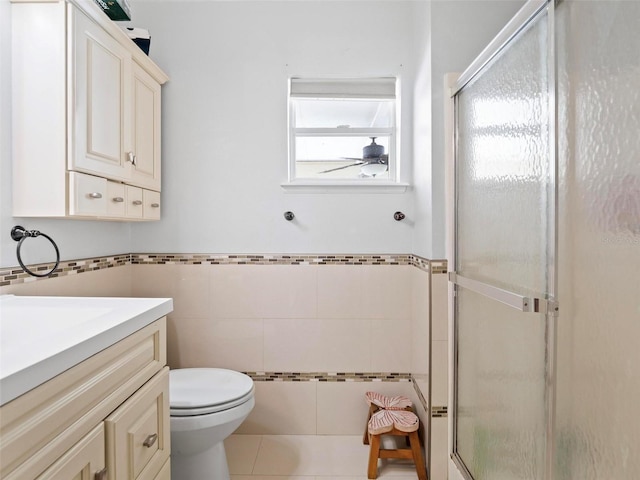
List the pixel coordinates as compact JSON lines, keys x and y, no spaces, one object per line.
{"x":307,"y":457}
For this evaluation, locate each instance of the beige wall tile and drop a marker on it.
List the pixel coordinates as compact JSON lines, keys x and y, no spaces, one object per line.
{"x":153,"y":281}
{"x":386,"y":291}
{"x":340,"y":291}
{"x":29,"y":288}
{"x":200,"y":342}
{"x":263,"y":291}
{"x":391,"y":342}
{"x":189,"y":342}
{"x":439,"y":448}
{"x":420,"y":343}
{"x":237,"y":344}
{"x":282,"y":408}
{"x":191,"y":287}
{"x":317,"y":345}
{"x":424,"y":421}
{"x":342,"y":408}
{"x":288,"y":291}
{"x":108,"y":282}
{"x":440,"y":373}
{"x":440,"y":310}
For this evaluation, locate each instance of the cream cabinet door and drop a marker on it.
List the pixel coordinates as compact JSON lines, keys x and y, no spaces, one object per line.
{"x":145,"y":170}
{"x":101,"y":105}
{"x":84,"y":461}
{"x":137,"y":433}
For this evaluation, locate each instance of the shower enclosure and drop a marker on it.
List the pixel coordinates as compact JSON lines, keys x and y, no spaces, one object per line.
{"x":545,"y":259}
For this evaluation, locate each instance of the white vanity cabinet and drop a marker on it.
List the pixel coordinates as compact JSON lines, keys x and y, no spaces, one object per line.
{"x":106,"y":418}
{"x":86,"y":101}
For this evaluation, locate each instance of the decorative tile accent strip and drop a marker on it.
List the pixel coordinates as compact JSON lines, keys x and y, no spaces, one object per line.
{"x":208,"y":259}
{"x":438,"y":266}
{"x":421,"y":263}
{"x":421,"y":397}
{"x":439,"y":412}
{"x":15,"y":275}
{"x":329,"y":377}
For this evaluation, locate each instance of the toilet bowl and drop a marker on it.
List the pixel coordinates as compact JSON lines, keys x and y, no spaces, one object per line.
{"x":207,"y":405}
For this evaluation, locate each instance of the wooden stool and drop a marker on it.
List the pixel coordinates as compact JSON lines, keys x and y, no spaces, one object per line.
{"x":392,"y":416}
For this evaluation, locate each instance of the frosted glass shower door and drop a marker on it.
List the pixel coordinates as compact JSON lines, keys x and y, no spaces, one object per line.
{"x":503,"y":255}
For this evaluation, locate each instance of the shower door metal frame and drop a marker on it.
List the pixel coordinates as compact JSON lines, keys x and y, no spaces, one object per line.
{"x":544,"y":304}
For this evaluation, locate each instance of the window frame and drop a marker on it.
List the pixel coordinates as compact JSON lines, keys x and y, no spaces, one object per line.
{"x":392,"y":133}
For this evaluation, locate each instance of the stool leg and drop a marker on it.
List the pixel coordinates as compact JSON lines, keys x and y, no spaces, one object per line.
{"x":365,"y":437}
{"x":418,"y":459}
{"x":374,"y":452}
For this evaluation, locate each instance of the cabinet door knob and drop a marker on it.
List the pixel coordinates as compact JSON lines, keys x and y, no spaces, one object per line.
{"x":101,"y":475}
{"x":131,"y":158}
{"x":137,"y":202}
{"x":95,"y":195}
{"x":150,"y":440}
{"x":118,"y":199}
{"x":155,"y":205}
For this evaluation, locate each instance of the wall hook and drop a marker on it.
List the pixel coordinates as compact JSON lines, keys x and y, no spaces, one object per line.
{"x":289,"y":216}
{"x":398,"y":216}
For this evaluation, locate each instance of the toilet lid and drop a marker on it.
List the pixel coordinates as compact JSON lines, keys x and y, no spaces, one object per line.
{"x":198,"y":388}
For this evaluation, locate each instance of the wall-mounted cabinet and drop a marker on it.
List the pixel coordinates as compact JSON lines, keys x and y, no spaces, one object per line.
{"x":86,"y":115}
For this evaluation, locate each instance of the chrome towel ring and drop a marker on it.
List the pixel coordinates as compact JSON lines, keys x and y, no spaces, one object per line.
{"x":19,"y":234}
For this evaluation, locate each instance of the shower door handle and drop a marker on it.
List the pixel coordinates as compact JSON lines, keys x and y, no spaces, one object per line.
{"x":513,"y":300}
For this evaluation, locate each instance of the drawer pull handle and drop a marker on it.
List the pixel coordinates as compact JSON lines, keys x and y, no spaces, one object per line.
{"x":137,"y":202}
{"x":151,"y":439}
{"x":94,"y":195}
{"x":101,"y":475}
{"x":118,"y":199}
{"x":155,"y":205}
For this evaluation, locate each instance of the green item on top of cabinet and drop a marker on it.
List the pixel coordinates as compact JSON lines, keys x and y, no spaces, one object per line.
{"x":115,"y":9}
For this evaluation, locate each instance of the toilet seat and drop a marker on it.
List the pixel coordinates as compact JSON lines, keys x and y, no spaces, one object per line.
{"x":201,"y":391}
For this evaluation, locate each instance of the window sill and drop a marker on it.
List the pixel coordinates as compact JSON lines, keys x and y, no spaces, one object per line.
{"x":347,"y":186}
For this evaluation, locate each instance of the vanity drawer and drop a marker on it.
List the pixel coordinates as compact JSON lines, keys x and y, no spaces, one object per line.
{"x":84,"y":459}
{"x":40,"y":426}
{"x":138,"y":432}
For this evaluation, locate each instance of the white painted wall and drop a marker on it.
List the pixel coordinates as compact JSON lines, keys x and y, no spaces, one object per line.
{"x":224,"y":130}
{"x":459,"y":31}
{"x":422,"y":137}
{"x":225,"y":123}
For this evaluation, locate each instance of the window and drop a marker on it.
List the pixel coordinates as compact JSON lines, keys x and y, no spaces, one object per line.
{"x":343,"y":131}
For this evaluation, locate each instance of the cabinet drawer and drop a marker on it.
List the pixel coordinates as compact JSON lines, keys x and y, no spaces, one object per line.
{"x":87,"y":195}
{"x":138,"y":432}
{"x":41,"y":425}
{"x":116,"y":196}
{"x":134,"y":202}
{"x":151,"y":205}
{"x":82,"y":461}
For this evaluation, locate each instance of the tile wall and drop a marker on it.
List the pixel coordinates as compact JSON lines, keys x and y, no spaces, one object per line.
{"x":315,"y":333}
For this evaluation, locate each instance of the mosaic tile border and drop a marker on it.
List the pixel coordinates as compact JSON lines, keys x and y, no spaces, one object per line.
{"x":329,"y":376}
{"x":346,"y":377}
{"x":16,"y":275}
{"x":208,"y":259}
{"x":439,"y":412}
{"x":421,"y":397}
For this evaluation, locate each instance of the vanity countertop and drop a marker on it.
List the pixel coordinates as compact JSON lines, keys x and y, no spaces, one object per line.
{"x":41,"y":337}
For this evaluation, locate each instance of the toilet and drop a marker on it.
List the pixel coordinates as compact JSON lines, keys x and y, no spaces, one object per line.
{"x":207,"y":405}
